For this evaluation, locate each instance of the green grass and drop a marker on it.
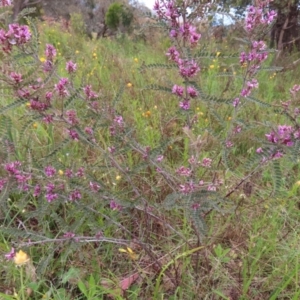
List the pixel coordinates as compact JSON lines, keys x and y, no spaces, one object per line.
{"x":251,"y":248}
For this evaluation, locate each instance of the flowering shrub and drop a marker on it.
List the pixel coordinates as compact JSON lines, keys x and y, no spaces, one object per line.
{"x":117,"y":176}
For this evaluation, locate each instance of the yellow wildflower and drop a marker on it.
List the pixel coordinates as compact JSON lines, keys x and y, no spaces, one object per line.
{"x":60,"y":172}
{"x":147,"y":114}
{"x":76,"y":51}
{"x":21,"y":258}
{"x":229,"y":118}
{"x":35,"y":125}
{"x":130,"y":253}
{"x":218,"y":53}
{"x":129,"y":84}
{"x":211,"y":66}
{"x":118,"y":177}
{"x":136,"y":60}
{"x":42,"y":59}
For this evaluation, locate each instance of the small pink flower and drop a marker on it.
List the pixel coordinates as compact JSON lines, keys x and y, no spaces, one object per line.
{"x":71,"y":67}
{"x":73,"y":134}
{"x":89,"y":93}
{"x":185,"y":104}
{"x":75,"y":195}
{"x":50,"y":171}
{"x":192,"y":92}
{"x":259,"y":150}
{"x":159,"y":158}
{"x":206,"y":162}
{"x":89,"y":130}
{"x":212,"y":188}
{"x":37,"y":190}
{"x":50,"y":52}
{"x":69,"y":235}
{"x":115,"y":206}
{"x":94,"y":186}
{"x":80,"y":172}
{"x":5,"y":3}
{"x":72,"y":117}
{"x":11,"y":254}
{"x":178,"y":90}
{"x":183,"y":171}
{"x":51,"y":197}
{"x":16,"y":77}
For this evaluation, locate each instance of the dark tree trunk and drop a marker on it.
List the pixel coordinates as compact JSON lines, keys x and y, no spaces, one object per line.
{"x":285,"y":34}
{"x":19,"y":5}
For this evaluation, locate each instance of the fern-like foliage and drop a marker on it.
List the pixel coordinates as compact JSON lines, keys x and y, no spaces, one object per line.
{"x":277,"y":176}
{"x":19,"y":102}
{"x":157,"y":66}
{"x":258,"y":102}
{"x":195,"y":205}
{"x":158,"y":88}
{"x":206,"y":54}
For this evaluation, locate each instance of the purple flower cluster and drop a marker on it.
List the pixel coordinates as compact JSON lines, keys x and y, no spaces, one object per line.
{"x":94,"y":186}
{"x":183,"y":171}
{"x":183,"y":33}
{"x":3,"y":182}
{"x":71,"y":67}
{"x":89,"y":92}
{"x":16,"y":77}
{"x":50,"y":171}
{"x":115,"y":206}
{"x":250,"y":85}
{"x":4,"y":3}
{"x":295,"y":89}
{"x":75,"y":195}
{"x":168,"y":11}
{"x":187,"y":68}
{"x":255,"y":57}
{"x":60,"y":87}
{"x":37,"y":105}
{"x":259,"y":16}
{"x":179,"y":91}
{"x":51,"y":194}
{"x":50,"y":52}
{"x":73,"y":134}
{"x":15,"y":35}
{"x":21,"y":177}
{"x":284,"y":135}
{"x":117,"y":125}
{"x":72,"y":117}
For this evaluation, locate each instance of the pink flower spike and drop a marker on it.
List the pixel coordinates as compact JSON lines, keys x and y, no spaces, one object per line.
{"x":50,"y":52}
{"x":11,"y":254}
{"x":71,"y":67}
{"x":50,"y":171}
{"x":5,"y":3}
